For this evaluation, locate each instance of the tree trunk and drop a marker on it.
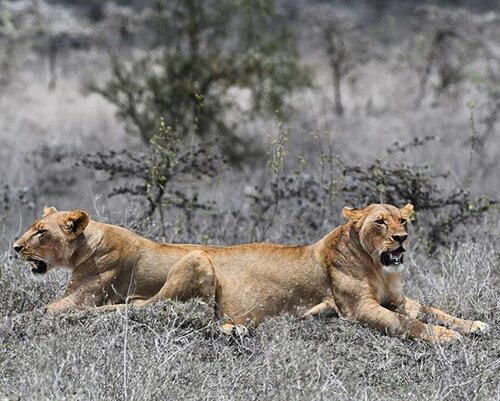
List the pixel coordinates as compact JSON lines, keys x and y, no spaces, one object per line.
{"x":339,"y":108}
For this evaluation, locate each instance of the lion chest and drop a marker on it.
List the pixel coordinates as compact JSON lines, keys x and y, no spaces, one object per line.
{"x":387,"y":289}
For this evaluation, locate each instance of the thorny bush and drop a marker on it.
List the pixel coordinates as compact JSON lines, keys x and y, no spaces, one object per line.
{"x":155,"y":177}
{"x":294,"y":201}
{"x":302,"y":202}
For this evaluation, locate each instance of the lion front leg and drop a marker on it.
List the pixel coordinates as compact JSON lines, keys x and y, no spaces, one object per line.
{"x":376,"y":316}
{"x":414,"y":310}
{"x":61,"y":305}
{"x":58,"y":306}
{"x":427,"y":313}
{"x":77,"y":300}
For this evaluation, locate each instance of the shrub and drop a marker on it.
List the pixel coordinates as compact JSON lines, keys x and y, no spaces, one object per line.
{"x":440,"y":212}
{"x":301,"y":202}
{"x":151,"y":177}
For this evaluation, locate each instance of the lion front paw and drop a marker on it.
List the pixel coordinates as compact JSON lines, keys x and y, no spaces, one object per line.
{"x":469,"y":326}
{"x":476,"y":327}
{"x":442,"y":335}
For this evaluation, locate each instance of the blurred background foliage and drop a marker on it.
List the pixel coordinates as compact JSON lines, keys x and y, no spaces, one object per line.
{"x":234,"y":121}
{"x":201,"y":50}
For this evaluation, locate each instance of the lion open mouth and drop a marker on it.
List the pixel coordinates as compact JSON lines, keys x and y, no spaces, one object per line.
{"x":39,"y":266}
{"x":395,"y":257}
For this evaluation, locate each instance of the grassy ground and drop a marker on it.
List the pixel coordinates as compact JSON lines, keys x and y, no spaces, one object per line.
{"x":174,"y":351}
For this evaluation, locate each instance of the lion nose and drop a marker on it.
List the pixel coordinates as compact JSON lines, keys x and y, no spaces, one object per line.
{"x":400,"y":238}
{"x":18,"y":248}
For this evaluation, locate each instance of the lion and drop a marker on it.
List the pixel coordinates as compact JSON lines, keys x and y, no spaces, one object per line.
{"x":353,"y":272}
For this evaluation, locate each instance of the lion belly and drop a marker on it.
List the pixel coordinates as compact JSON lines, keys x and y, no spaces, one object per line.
{"x":254,"y":283}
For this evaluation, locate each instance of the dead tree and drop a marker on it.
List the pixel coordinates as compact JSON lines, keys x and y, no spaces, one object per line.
{"x":335,"y":49}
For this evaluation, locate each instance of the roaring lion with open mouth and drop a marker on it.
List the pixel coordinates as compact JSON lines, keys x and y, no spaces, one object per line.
{"x":353,"y":272}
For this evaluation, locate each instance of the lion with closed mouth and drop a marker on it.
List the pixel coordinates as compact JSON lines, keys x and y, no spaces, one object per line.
{"x":353,"y":272}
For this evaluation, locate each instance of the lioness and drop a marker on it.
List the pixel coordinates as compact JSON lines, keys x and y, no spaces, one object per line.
{"x":353,"y":272}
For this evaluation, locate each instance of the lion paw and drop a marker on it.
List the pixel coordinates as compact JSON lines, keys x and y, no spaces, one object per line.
{"x":470,"y":327}
{"x":477,"y":327}
{"x":441,"y":335}
{"x":230,"y":329}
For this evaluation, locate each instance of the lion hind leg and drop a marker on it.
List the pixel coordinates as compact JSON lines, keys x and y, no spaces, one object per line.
{"x":325,"y":308}
{"x":190,"y":277}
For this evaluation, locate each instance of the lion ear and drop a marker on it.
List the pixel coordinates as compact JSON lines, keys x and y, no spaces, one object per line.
{"x":351,"y":213}
{"x":48,"y":210}
{"x":407,"y":211}
{"x":75,"y":222}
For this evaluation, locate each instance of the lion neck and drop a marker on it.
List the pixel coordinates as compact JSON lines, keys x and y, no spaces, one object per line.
{"x":86,"y":246}
{"x":344,"y":250}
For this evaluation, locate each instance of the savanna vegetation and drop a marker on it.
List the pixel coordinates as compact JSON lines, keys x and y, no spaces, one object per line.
{"x":226,"y":122}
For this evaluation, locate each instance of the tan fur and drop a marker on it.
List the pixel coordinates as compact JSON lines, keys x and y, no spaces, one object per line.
{"x":341,"y":274}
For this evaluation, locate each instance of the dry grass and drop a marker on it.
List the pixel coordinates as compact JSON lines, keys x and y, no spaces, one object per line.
{"x":174,"y":351}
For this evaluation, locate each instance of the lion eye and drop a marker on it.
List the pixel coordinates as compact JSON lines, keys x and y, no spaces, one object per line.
{"x":40,"y":233}
{"x":403,"y":222}
{"x":381,"y":222}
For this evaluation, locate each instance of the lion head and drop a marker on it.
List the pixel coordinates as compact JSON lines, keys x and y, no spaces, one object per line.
{"x":382,"y":232}
{"x":49,"y":241}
